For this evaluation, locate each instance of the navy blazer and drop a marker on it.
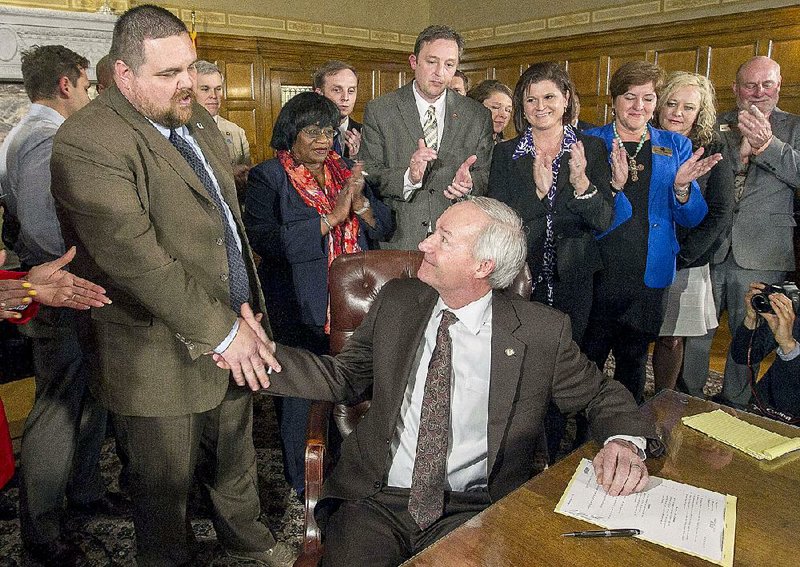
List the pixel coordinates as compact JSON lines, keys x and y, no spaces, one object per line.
{"x":780,"y":385}
{"x":663,"y":208}
{"x":285,"y":232}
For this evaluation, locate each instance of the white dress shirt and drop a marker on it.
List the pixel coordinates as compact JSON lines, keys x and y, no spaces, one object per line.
{"x":467,"y":449}
{"x":469,"y":399}
{"x":422,"y":110}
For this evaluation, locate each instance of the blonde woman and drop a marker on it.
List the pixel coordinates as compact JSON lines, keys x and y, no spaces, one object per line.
{"x":686,"y":106}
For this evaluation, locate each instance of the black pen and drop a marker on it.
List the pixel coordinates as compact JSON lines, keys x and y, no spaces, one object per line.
{"x":628,"y":532}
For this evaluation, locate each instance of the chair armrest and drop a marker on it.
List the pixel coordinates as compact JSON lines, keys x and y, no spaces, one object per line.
{"x":316,"y":447}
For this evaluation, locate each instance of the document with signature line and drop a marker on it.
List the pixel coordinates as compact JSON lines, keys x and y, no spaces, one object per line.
{"x":675,"y":515}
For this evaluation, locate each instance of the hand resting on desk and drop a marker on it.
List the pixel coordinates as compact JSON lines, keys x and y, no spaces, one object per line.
{"x":619,"y":469}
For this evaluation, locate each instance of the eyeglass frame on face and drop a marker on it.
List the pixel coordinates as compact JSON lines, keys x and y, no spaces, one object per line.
{"x":314,"y":132}
{"x":764,"y":85}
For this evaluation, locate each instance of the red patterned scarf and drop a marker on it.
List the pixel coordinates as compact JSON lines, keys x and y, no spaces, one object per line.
{"x":343,"y":238}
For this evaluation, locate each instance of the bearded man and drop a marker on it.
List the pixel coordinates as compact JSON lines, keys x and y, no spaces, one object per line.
{"x":150,"y":201}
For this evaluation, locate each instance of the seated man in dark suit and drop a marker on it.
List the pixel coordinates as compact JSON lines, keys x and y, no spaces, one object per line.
{"x":779,"y":388}
{"x":462,"y":375}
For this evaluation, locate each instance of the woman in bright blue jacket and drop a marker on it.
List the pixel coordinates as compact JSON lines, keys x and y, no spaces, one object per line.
{"x":639,"y":249}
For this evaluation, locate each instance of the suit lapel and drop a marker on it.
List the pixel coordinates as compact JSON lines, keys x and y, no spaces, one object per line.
{"x":156,"y":142}
{"x":508,"y":353}
{"x":452,"y":121}
{"x":408,"y":333}
{"x":407,"y":106}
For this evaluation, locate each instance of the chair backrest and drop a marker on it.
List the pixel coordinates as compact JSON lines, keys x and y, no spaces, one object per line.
{"x":356,"y":279}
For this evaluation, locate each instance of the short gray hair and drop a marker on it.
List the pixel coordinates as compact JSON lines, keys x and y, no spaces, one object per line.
{"x":502,"y":241}
{"x":204,"y":67}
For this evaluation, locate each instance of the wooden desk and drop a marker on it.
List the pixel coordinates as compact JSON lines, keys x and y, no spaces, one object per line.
{"x":523,"y":530}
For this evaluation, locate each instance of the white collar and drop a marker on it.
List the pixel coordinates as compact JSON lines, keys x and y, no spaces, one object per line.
{"x":472,"y":315}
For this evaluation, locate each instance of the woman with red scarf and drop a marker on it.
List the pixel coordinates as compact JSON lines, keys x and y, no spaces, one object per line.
{"x":303,"y":209}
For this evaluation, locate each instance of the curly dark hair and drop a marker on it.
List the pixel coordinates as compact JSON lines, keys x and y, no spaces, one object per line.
{"x":43,"y":66}
{"x":302,"y":110}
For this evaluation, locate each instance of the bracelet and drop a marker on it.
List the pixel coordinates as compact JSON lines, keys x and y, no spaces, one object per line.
{"x":682,"y":193}
{"x":614,"y":190}
{"x":587,"y":195}
{"x":327,"y":222}
{"x":363,"y":209}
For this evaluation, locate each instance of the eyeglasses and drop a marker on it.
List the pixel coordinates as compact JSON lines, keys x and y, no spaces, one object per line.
{"x":315,"y":132}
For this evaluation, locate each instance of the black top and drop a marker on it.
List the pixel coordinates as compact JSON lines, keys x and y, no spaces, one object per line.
{"x":620,"y":292}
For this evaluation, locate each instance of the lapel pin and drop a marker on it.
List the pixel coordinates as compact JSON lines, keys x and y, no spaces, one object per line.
{"x":510,"y":352}
{"x":200,"y":126}
{"x":455,"y":115}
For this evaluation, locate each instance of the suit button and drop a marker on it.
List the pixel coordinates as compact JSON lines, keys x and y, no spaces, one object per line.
{"x":424,"y":223}
{"x":736,"y":211}
{"x":220,"y":241}
{"x":223,"y":277}
{"x":376,"y":485}
{"x":655,"y":225}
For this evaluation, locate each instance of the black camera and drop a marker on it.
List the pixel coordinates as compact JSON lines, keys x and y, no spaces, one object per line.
{"x":760,"y":301}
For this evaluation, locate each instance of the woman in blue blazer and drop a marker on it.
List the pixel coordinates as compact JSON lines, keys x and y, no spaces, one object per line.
{"x":640,"y":247}
{"x":302,"y":209}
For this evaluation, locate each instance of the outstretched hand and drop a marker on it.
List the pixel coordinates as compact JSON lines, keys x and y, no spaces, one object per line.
{"x":58,"y":288}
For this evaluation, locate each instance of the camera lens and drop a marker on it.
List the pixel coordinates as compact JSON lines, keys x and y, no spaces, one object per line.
{"x":760,"y":303}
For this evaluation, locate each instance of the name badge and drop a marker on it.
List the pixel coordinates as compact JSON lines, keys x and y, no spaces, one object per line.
{"x":724,"y":127}
{"x":662,"y":151}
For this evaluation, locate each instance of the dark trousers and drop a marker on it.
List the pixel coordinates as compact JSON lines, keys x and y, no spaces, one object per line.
{"x":64,"y":431}
{"x":164,"y":452}
{"x":630,"y":352}
{"x":378,"y":531}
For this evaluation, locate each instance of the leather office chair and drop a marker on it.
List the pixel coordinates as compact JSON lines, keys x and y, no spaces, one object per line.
{"x":355,"y":280}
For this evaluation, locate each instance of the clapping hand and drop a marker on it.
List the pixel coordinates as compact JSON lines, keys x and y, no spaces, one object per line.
{"x":542,"y":173}
{"x":619,"y":166}
{"x":755,"y":127}
{"x":352,"y":138}
{"x":462,"y":182}
{"x":695,"y":167}
{"x":419,"y":161}
{"x":577,"y":168}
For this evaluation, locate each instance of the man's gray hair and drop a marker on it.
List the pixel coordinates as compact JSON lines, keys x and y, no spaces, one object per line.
{"x":502,"y":240}
{"x":204,"y":67}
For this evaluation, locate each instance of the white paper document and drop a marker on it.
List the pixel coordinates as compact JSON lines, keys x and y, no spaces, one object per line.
{"x":678,"y":516}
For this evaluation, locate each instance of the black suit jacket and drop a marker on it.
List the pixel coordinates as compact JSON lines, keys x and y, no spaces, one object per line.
{"x":575,"y":221}
{"x":352,"y":125}
{"x":534,"y":360}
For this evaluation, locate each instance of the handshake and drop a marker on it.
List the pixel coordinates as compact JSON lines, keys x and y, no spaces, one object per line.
{"x":251,"y":355}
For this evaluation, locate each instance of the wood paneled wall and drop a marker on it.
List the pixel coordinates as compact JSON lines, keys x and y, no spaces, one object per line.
{"x":255,"y":69}
{"x":714,"y":47}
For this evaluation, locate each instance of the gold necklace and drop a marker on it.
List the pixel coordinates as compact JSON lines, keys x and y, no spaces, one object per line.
{"x":633,"y":167}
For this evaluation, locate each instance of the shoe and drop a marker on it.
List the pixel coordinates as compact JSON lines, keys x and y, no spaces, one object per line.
{"x":280,"y":555}
{"x":56,"y":553}
{"x":111,"y":504}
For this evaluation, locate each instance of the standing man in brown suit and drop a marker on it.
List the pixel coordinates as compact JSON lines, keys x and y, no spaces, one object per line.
{"x":150,"y":201}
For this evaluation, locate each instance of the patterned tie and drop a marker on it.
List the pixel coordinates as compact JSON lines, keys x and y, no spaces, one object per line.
{"x":237,"y":273}
{"x":431,"y":130}
{"x":426,"y":499}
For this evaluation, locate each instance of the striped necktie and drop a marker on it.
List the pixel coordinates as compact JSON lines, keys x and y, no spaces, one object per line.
{"x":431,"y":130}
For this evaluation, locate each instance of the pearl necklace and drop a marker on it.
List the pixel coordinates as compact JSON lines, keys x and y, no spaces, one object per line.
{"x":633,"y":167}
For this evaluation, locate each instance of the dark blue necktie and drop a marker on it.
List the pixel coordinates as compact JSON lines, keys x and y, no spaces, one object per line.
{"x":337,"y":144}
{"x":237,"y":272}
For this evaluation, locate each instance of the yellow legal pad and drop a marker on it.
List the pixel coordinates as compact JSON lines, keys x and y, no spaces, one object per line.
{"x":753,"y":440}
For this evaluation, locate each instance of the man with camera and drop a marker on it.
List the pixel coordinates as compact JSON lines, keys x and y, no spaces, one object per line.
{"x":779,"y":388}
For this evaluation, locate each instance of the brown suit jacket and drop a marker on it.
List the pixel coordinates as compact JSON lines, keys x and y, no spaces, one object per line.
{"x":533,"y":360}
{"x":148,"y":232}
